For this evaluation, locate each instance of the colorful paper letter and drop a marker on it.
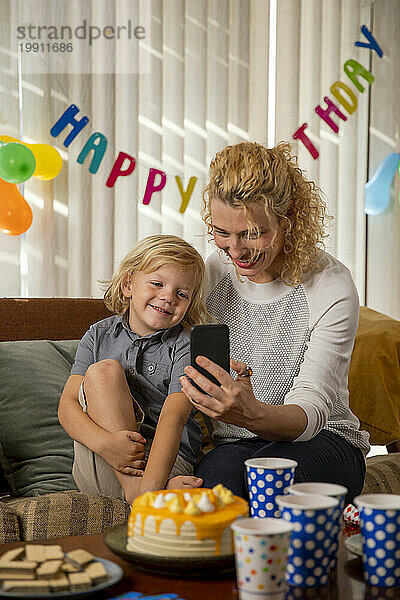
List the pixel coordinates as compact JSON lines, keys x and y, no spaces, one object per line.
{"x":339,"y":85}
{"x":69,"y":118}
{"x":300,"y":135}
{"x":373,"y":44}
{"x":150,"y":187}
{"x":186,"y":195}
{"x":116,"y":170}
{"x":98,"y":150}
{"x":352,"y":68}
{"x":324,"y":113}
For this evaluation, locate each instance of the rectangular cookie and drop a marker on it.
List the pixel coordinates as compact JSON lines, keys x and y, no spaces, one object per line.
{"x":81,"y":557}
{"x":96,"y":571}
{"x":35,"y":552}
{"x":12,"y":554}
{"x":54,"y":552}
{"x":70,"y":568}
{"x":48,"y":569}
{"x":59,"y":583}
{"x":17,"y":576}
{"x":79,"y":581}
{"x":17,"y":566}
{"x":26,"y":587}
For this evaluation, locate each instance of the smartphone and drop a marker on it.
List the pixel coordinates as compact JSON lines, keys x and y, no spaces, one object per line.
{"x":211,"y":341}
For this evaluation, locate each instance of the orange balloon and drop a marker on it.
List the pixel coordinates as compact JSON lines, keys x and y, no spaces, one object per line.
{"x":15,"y":213}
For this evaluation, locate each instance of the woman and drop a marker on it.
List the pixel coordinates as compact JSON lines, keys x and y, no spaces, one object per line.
{"x":292,"y":311}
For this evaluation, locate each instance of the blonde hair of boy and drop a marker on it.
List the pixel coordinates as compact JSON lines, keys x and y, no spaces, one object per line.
{"x":150,"y":254}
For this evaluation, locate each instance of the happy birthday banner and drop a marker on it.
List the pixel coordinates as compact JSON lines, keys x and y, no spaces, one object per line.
{"x":20,"y":160}
{"x":125,"y":163}
{"x":354,"y":70}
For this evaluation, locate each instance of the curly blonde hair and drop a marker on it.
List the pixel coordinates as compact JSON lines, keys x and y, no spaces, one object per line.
{"x":248,"y":173}
{"x":150,"y":254}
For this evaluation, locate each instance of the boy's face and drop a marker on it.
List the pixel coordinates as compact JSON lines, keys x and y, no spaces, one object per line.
{"x":158,"y":300}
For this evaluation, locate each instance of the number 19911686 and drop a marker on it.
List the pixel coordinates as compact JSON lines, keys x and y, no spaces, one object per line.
{"x":46,"y":47}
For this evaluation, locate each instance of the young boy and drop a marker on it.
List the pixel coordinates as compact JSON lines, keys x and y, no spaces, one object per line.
{"x":126,"y":376}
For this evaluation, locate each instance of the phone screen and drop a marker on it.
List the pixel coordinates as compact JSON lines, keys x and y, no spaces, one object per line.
{"x":211,"y":341}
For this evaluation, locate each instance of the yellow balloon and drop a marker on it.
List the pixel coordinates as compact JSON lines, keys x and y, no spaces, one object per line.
{"x":48,"y":160}
{"x":7,"y":139}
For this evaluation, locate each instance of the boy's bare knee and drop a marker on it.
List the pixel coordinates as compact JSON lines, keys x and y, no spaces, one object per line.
{"x":104,"y":370}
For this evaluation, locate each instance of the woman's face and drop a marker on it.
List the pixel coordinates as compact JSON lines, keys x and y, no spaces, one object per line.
{"x":231,"y":234}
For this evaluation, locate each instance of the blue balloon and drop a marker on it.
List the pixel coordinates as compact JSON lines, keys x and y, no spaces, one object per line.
{"x":377,"y":189}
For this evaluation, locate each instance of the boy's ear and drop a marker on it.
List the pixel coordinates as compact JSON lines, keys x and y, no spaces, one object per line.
{"x":127,"y":286}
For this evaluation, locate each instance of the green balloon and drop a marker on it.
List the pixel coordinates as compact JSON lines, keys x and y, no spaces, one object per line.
{"x":17,"y":163}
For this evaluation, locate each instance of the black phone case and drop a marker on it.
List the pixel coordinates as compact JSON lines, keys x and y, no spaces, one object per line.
{"x":211,"y":341}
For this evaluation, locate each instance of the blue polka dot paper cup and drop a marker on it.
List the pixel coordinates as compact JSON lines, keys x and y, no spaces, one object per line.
{"x":261,"y":552}
{"x":310,"y":546}
{"x":325,"y":489}
{"x":380,"y":528}
{"x":268,"y":478}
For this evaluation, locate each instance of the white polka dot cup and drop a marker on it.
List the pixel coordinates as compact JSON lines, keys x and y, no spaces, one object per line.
{"x":380,"y":528}
{"x":268,"y":478}
{"x":310,"y":545}
{"x":261,"y":552}
{"x":325,"y":489}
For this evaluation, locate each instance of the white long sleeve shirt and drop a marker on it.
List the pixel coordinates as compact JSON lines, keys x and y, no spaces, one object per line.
{"x":297,"y":340}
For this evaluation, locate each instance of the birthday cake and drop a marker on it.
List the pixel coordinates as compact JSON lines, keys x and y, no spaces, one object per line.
{"x":184,"y":523}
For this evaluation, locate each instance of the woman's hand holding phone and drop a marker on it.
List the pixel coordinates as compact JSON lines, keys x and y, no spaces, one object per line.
{"x":230,"y":401}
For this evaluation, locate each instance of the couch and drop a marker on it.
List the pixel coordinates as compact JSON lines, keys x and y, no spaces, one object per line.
{"x":38,"y":340}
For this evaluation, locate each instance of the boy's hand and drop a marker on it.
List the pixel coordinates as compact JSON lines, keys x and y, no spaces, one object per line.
{"x":181,"y":482}
{"x":124,"y":452}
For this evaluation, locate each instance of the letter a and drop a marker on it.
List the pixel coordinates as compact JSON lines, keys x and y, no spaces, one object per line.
{"x":98,"y":143}
{"x":352,"y":68}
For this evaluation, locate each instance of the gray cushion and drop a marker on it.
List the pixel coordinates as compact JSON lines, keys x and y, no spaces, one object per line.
{"x":35,"y":452}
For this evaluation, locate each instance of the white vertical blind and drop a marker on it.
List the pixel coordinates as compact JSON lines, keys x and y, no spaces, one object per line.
{"x":258,"y":69}
{"x":345,"y":213}
{"x":195,"y":107}
{"x":173,"y":112}
{"x":150,"y":119}
{"x":329,"y":141}
{"x":206,"y":87}
{"x":383,"y":272}
{"x":126,"y":140}
{"x":238,"y":71}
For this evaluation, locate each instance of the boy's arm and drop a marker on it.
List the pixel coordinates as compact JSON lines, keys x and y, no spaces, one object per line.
{"x":119,"y":448}
{"x":165,"y":446}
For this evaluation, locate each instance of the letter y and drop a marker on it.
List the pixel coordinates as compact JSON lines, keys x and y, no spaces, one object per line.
{"x":373,"y":44}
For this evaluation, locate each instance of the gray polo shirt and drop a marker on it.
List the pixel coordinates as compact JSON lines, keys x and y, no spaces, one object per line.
{"x":152,"y":365}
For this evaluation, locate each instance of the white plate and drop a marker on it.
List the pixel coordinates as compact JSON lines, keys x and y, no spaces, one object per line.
{"x":354,"y":544}
{"x":115,"y":573}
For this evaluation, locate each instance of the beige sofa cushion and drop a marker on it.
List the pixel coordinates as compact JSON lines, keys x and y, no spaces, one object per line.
{"x":383,"y":474}
{"x":62,"y":514}
{"x":9,"y":526}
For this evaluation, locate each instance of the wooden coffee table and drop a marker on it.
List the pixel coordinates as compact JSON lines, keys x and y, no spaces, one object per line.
{"x":346,"y":583}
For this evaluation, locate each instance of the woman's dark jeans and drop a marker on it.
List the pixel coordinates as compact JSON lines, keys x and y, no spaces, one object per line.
{"x":327,"y":457}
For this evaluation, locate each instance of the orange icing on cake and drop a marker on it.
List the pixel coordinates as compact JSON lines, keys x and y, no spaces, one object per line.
{"x":200,"y":518}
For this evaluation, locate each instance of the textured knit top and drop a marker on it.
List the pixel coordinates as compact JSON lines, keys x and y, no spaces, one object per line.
{"x":297,"y":340}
